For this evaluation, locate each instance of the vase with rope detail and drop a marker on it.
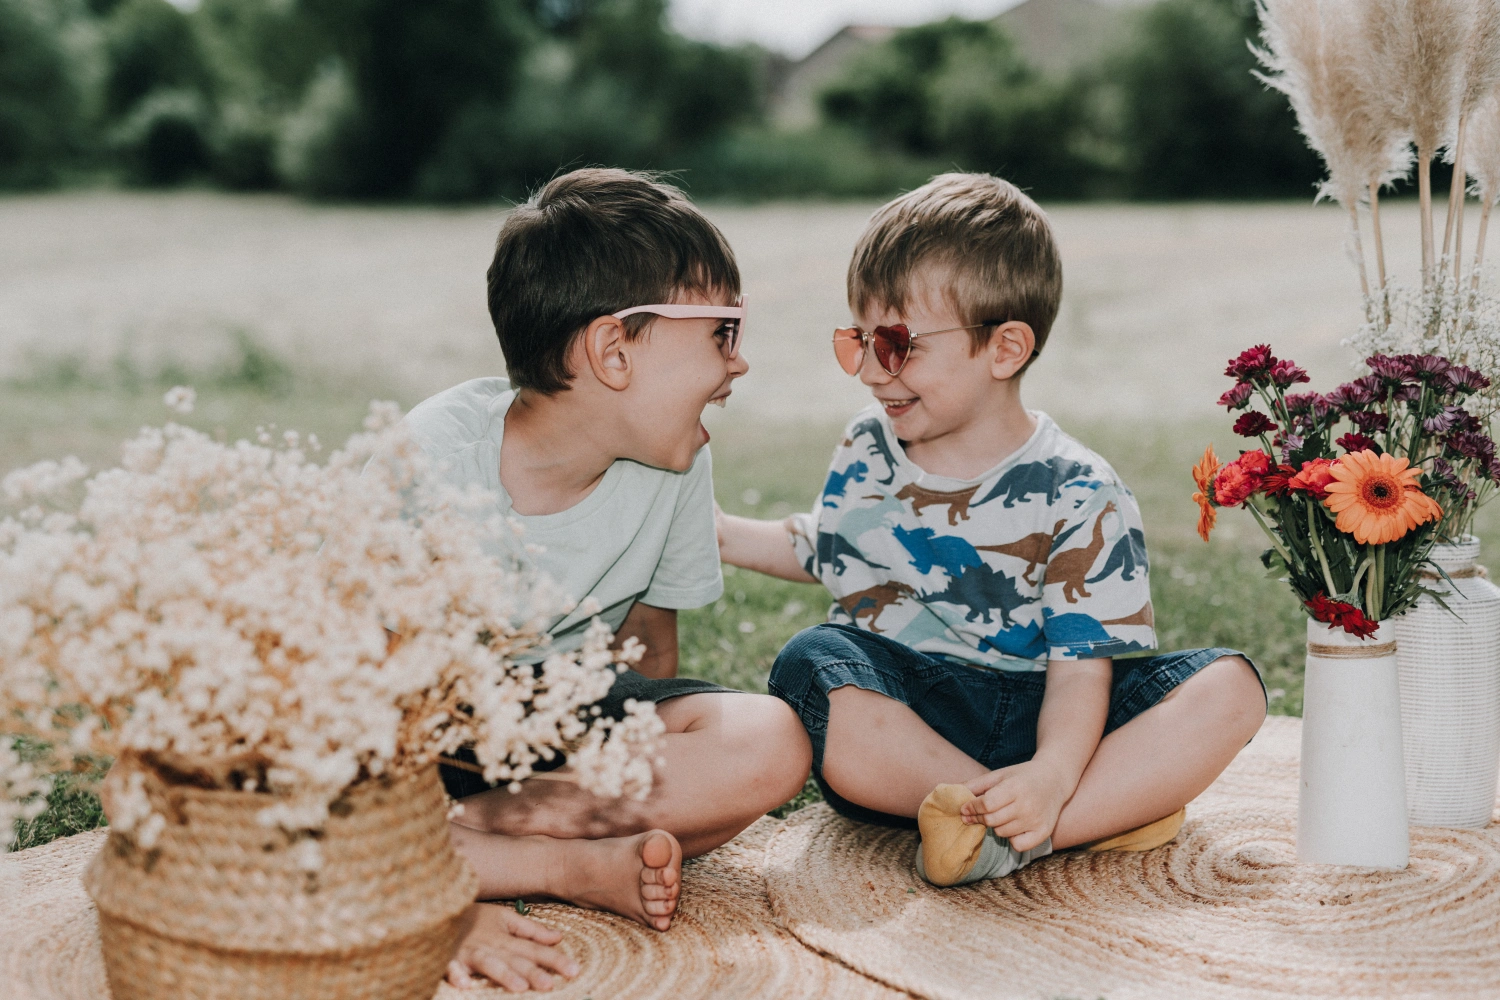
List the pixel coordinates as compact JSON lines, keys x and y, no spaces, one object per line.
{"x":1351,"y":794}
{"x":1449,"y":664}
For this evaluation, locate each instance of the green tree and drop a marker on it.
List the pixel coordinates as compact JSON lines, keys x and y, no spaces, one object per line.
{"x":1193,"y":122}
{"x":960,"y":91}
{"x":413,"y":69}
{"x":41,"y":116}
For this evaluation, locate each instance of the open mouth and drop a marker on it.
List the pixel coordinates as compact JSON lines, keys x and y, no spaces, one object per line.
{"x":720,"y":401}
{"x":896,"y":407}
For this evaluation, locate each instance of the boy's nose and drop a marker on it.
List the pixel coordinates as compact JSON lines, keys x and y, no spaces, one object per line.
{"x":738,"y":365}
{"x":870,"y":372}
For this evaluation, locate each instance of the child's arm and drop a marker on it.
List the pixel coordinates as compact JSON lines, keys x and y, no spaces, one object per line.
{"x":764,"y":546}
{"x":1022,"y":802}
{"x":656,"y":628}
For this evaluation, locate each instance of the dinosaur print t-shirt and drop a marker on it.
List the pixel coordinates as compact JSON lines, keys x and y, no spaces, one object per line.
{"x":1040,"y":558}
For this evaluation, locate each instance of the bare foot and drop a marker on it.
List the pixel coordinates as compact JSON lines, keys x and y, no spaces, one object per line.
{"x":511,"y":951}
{"x":638,"y":877}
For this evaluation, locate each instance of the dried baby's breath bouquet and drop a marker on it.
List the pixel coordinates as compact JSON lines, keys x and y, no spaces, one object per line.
{"x":239,"y":616}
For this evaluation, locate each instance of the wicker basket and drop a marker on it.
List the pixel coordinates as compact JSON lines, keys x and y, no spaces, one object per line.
{"x":221,"y":909}
{"x":1450,"y":694}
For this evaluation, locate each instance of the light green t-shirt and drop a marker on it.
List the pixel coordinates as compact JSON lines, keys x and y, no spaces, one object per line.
{"x":643,"y":534}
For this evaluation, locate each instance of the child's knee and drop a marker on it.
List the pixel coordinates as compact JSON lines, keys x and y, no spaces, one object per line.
{"x":1240,"y":696}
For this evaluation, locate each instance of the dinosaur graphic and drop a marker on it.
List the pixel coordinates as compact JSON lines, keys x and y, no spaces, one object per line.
{"x":1146,"y":616}
{"x":871,"y":602}
{"x":879,"y":447}
{"x":982,"y":590}
{"x":1084,"y":635}
{"x":1034,"y":548}
{"x":1071,"y":566}
{"x":1024,"y":641}
{"x":928,"y":549}
{"x":1046,"y":478}
{"x":1128,"y":556}
{"x":838,"y":482}
{"x":957,"y":502}
{"x":833,"y":549}
{"x":854,"y":521}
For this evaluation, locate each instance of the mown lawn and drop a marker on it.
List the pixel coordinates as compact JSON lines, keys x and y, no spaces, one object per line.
{"x":1215,"y":594}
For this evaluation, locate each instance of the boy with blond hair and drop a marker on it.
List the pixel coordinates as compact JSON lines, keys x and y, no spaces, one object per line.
{"x":987,"y":569}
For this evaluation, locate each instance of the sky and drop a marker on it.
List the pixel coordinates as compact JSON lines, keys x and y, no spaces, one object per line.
{"x":796,"y":27}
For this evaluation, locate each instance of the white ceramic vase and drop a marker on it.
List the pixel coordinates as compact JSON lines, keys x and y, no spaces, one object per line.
{"x":1450,"y":694}
{"x":1351,"y":803}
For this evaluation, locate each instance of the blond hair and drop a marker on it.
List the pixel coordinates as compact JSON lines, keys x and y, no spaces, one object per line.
{"x":993,"y":243}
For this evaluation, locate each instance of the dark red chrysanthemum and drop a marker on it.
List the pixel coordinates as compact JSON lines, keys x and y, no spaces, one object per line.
{"x":1370,"y":422}
{"x":1427,"y":367}
{"x":1345,"y":616}
{"x":1252,"y":424}
{"x":1251,"y":364}
{"x":1357,"y":442}
{"x":1392,"y":370}
{"x":1238,"y":397}
{"x":1285,"y":373}
{"x":1472,"y":444}
{"x":1463,"y":380}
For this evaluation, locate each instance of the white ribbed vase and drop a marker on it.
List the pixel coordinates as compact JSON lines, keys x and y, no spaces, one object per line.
{"x":1450,"y":694}
{"x":1351,"y":802}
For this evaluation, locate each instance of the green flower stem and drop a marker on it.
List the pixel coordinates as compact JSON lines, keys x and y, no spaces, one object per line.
{"x":1312,"y":533}
{"x":1291,"y":564}
{"x":1354,"y":587}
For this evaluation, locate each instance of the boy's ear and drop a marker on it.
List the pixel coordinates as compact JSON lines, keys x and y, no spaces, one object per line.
{"x":608,"y":352}
{"x":1011,"y":345}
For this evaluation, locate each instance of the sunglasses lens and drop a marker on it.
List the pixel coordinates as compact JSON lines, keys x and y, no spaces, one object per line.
{"x":892,"y":345}
{"x":849,"y":348}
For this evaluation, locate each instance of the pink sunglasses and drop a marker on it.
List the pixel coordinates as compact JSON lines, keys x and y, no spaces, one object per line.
{"x":734,"y":312}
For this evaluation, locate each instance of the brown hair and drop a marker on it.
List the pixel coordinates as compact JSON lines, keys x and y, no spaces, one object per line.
{"x":994,"y":243}
{"x":589,"y":243}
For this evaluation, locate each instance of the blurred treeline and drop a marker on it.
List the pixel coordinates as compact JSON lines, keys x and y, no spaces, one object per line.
{"x":476,"y":99}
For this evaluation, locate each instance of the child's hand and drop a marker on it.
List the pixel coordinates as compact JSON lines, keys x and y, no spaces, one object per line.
{"x":512,"y":951}
{"x":1020,"y":803}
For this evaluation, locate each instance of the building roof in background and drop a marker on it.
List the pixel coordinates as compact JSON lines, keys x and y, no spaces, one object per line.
{"x":1055,"y":36}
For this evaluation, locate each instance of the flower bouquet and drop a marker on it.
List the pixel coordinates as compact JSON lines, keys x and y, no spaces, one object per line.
{"x":274,"y":653}
{"x":1380,"y":87}
{"x":1353,"y":488}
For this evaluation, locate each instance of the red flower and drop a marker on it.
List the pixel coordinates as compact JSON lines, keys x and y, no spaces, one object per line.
{"x":1276,"y":482}
{"x":1345,"y":616}
{"x":1251,"y":364}
{"x":1256,"y":462}
{"x":1313,"y":479}
{"x":1357,"y":442}
{"x":1285,"y":373}
{"x":1238,"y":397}
{"x":1234,"y":484}
{"x":1252,"y":424}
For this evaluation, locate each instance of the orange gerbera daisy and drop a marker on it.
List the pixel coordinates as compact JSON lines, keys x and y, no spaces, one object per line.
{"x":1203,"y":475}
{"x":1376,"y":497}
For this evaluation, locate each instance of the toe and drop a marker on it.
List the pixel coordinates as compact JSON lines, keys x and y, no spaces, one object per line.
{"x":659,"y":849}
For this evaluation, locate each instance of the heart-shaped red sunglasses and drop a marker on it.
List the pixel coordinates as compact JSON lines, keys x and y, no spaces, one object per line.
{"x":892,"y":344}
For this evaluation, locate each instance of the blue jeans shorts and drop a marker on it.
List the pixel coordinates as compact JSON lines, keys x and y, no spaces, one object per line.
{"x":990,"y":715}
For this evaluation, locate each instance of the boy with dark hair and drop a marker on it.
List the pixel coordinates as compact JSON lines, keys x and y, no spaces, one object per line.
{"x":618,"y":309}
{"x":986,"y":569}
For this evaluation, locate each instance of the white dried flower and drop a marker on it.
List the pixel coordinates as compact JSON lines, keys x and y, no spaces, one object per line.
{"x":23,"y":793}
{"x":243,"y":615}
{"x":180,"y":399}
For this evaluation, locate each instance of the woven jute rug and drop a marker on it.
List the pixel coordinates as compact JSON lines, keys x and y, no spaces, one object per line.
{"x":724,"y":942}
{"x":1223,"y":912}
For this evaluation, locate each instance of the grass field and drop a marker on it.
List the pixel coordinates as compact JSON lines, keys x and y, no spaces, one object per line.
{"x":282,"y":313}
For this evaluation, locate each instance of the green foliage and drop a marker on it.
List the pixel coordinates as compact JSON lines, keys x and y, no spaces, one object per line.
{"x":1192,"y":121}
{"x":960,"y":91}
{"x":477,"y":99}
{"x":41,"y":112}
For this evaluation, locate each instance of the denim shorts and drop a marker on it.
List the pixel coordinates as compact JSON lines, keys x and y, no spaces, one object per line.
{"x":990,"y":715}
